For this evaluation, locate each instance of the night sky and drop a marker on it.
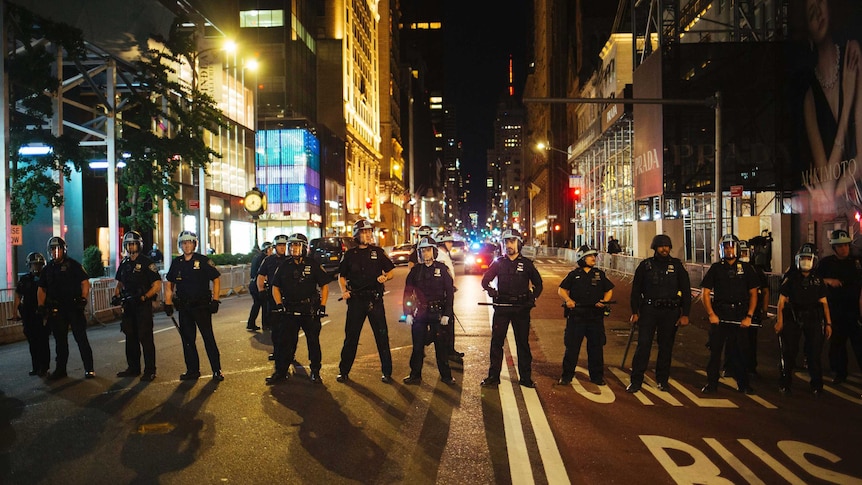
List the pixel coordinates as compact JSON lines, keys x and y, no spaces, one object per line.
{"x":480,"y":36}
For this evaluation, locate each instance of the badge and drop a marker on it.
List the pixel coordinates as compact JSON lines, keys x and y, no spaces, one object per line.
{"x":137,"y":268}
{"x":670,"y":269}
{"x":197,"y":264}
{"x":373,"y":254}
{"x":520,"y":267}
{"x":437,"y":272}
{"x":739,"y":269}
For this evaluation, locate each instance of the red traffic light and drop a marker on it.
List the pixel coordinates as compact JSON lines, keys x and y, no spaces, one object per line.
{"x":556,"y":227}
{"x":368,"y":203}
{"x":575,"y":194}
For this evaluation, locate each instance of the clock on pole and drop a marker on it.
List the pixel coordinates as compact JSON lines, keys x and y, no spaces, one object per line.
{"x":255,"y":204}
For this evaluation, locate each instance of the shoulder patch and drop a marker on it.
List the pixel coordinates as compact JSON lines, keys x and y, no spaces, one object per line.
{"x":210,"y":262}
{"x":153,"y":268}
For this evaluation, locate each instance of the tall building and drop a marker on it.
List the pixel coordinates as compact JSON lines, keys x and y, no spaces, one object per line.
{"x":507,"y":199}
{"x":349,"y":98}
{"x":289,"y":152}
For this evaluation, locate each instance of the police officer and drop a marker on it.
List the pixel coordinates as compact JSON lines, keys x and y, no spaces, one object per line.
{"x":762,"y":305}
{"x":842,"y":274}
{"x":518,"y":286}
{"x":802,"y":310}
{"x":361,"y":275}
{"x":138,"y":283}
{"x":189,"y":290}
{"x":256,"y":298}
{"x":265,"y":275}
{"x":660,"y":303}
{"x":430,"y":290}
{"x":445,"y":241}
{"x":156,"y":255}
{"x":584,"y":291}
{"x":63,"y":292}
{"x":299,"y":305}
{"x":730,"y":299}
{"x":26,"y":306}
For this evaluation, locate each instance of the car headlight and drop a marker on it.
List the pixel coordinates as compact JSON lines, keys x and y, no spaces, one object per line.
{"x":469,"y":260}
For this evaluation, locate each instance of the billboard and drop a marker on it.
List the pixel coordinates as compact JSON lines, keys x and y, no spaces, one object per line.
{"x":648,"y":130}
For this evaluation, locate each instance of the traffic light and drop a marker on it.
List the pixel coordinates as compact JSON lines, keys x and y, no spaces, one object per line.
{"x":576,"y":194}
{"x":368,"y":203}
{"x":557,"y":227}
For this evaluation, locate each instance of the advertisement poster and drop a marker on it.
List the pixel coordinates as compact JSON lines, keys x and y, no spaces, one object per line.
{"x":826,"y":84}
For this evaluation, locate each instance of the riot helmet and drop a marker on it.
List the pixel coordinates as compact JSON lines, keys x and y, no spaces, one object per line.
{"x":426,"y":242}
{"x":362,"y":225}
{"x":806,"y":257}
{"x":57,"y":248}
{"x":660,"y":240}
{"x":424,"y":231}
{"x":36,"y":262}
{"x":582,"y":253}
{"x":298,"y":240}
{"x":132,"y":237}
{"x":187,"y":236}
{"x":511,"y":234}
{"x":280,"y":244}
{"x":728,"y":241}
{"x":839,"y":236}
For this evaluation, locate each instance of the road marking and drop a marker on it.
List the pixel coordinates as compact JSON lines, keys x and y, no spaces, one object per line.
{"x":604,"y":396}
{"x":830,"y":389}
{"x":552,"y":460}
{"x":734,"y":462}
{"x":772,"y":462}
{"x":728,"y":381}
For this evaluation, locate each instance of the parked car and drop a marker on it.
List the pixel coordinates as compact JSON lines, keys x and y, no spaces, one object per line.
{"x":480,"y":257}
{"x":458,"y":251}
{"x":328,"y":251}
{"x":400,"y":254}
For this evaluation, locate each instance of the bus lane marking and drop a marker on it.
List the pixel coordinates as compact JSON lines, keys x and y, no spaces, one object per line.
{"x":831,"y":390}
{"x":772,"y":462}
{"x":641,"y":396}
{"x":604,"y":396}
{"x":730,"y":382}
{"x":734,"y":462}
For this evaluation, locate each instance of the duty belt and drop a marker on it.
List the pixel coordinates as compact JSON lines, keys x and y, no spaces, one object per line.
{"x":368,"y":294}
{"x":663,"y":302}
{"x":432,"y":307}
{"x":511,"y":299}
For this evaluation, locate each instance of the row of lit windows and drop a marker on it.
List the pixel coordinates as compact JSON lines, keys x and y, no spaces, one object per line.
{"x":261,"y":18}
{"x":426,"y":26}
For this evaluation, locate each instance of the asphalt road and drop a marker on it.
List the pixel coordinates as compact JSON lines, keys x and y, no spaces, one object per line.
{"x":110,"y":430}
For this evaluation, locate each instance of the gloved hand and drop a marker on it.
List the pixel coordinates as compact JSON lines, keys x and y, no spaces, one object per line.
{"x":169,"y":309}
{"x":493,"y":293}
{"x":410,"y":320}
{"x":444,"y":320}
{"x":321,"y":311}
{"x":116,"y":300}
{"x":81,"y":302}
{"x":214,"y":306}
{"x":279,"y":308}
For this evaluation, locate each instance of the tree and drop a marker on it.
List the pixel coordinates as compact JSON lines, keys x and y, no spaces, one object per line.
{"x":164,"y":128}
{"x":29,"y":65}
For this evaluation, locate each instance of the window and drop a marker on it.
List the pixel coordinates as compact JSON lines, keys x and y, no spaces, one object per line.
{"x":261,"y":18}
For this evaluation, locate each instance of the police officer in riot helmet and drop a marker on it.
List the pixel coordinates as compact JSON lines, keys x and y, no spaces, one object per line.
{"x":257,"y":299}
{"x":26,"y":307}
{"x":730,"y":299}
{"x":802,"y":310}
{"x":189,"y":290}
{"x":138,"y":284}
{"x":584,"y":292}
{"x":842,"y":274}
{"x":428,"y":298}
{"x":518,"y":286}
{"x":64,"y":289}
{"x":265,"y":275}
{"x":299,"y":305}
{"x":660,"y":303}
{"x":745,"y":255}
{"x":361,"y":275}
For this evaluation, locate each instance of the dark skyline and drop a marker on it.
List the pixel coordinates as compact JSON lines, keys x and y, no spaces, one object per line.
{"x":480,"y":37}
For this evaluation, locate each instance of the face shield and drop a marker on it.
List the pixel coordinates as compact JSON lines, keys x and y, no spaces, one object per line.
{"x":366,"y":237}
{"x":296,"y":250}
{"x":806,"y":263}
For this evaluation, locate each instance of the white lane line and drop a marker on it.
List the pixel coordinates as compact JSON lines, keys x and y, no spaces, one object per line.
{"x":516,"y":445}
{"x":555,"y":470}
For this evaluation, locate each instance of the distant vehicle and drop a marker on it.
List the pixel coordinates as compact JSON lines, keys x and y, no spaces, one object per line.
{"x":328,"y":251}
{"x":458,"y":251}
{"x":400,"y":254}
{"x":480,"y":257}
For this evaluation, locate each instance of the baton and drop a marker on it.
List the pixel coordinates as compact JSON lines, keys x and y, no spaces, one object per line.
{"x":628,"y":345}
{"x":733,"y":322}
{"x":350,"y":290}
{"x":483,"y":303}
{"x":177,"y":325}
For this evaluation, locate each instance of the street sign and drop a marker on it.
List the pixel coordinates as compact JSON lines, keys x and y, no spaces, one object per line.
{"x":573,"y":220}
{"x":194,"y":204}
{"x":515,"y":213}
{"x":552,"y":216}
{"x":736,"y":191}
{"x":15,"y":236}
{"x":575,"y":181}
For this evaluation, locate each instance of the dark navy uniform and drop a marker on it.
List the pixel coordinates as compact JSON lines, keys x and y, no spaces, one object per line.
{"x":64,"y":307}
{"x":661,"y":293}
{"x":514,"y":278}
{"x":298,"y":280}
{"x":844,"y":310}
{"x":730,"y":285}
{"x":586,"y":288}
{"x":268,"y":267}
{"x":430,"y":290}
{"x":361,"y":267}
{"x":137,"y":277}
{"x":192,"y":298}
{"x":37,"y":333}
{"x":255,"y":294}
{"x":802,"y":315}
